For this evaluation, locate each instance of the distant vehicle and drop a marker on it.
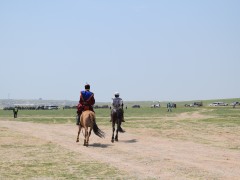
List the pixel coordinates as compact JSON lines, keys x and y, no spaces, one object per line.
{"x":8,"y":108}
{"x":234,"y":103}
{"x":103,"y":106}
{"x":40,"y":107}
{"x":194,"y":104}
{"x":198,"y":104}
{"x":51,"y":107}
{"x":136,"y":106}
{"x":69,"y":107}
{"x":155,"y":105}
{"x":66,"y":107}
{"x":174,"y":105}
{"x":218,"y":104}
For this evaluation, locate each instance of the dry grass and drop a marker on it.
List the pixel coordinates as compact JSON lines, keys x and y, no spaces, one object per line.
{"x":26,"y":157}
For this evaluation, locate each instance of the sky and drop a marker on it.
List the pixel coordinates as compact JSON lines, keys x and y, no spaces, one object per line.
{"x":147,"y":50}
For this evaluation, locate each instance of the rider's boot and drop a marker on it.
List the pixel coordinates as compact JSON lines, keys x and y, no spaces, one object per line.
{"x":111,"y":119}
{"x":78,"y":120}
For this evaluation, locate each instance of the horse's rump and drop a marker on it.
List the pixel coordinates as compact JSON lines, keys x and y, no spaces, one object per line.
{"x":88,"y":119}
{"x":116,"y":113}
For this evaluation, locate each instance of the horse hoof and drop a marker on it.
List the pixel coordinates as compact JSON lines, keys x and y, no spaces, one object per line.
{"x":77,"y":140}
{"x":112,"y":141}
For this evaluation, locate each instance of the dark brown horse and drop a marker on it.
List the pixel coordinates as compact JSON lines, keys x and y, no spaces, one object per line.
{"x":88,"y":123}
{"x":116,"y":118}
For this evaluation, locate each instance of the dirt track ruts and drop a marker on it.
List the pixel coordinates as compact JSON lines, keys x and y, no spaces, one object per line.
{"x":141,"y":155}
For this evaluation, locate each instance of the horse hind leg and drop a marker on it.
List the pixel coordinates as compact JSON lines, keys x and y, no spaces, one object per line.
{"x":116,"y":137}
{"x":79,"y":130}
{"x":118,"y":127}
{"x":113,"y":129}
{"x":88,"y":136}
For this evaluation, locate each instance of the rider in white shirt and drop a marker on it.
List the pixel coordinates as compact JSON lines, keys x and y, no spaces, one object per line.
{"x":117,"y":101}
{"x":118,"y":104}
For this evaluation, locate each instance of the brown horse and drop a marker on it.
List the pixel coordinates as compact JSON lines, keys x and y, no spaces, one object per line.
{"x":88,"y":122}
{"x":116,"y":118}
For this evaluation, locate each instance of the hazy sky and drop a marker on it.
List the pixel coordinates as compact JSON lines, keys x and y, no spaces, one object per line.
{"x":145,"y":49}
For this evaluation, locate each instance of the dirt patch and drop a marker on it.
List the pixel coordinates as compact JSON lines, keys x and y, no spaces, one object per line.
{"x":143,"y":156}
{"x":193,"y":115}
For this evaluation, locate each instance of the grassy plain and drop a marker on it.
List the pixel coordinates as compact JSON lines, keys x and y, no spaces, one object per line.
{"x":192,"y":119}
{"x":215,"y":126}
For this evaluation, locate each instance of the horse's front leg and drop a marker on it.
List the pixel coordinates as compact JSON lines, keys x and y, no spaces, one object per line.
{"x":113,"y":129}
{"x":79,"y":130}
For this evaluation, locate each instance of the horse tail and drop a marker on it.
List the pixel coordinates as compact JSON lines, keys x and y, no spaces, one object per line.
{"x":120,"y":129}
{"x":119,"y":119}
{"x":98,"y":131}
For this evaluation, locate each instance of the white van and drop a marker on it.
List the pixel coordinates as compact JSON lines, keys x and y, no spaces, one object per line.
{"x":218,"y":104}
{"x":50,"y":107}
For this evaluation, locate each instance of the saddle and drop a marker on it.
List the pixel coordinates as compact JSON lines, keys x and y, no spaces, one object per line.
{"x":85,"y":108}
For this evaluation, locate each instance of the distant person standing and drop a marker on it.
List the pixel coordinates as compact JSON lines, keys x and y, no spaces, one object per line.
{"x":169,"y":107}
{"x":15,"y":112}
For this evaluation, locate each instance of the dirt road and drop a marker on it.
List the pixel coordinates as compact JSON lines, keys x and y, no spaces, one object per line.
{"x":143,"y":156}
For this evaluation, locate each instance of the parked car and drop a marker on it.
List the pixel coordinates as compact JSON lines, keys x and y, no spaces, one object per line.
{"x":194,"y":104}
{"x":218,"y":104}
{"x":234,"y":103}
{"x":197,"y":104}
{"x":136,"y":106}
{"x":51,"y":107}
{"x":155,"y":106}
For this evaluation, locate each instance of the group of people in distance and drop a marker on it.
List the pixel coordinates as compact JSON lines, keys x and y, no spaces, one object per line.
{"x":87,"y":101}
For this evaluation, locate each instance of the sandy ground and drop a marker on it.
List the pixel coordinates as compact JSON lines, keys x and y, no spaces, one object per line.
{"x":141,"y":155}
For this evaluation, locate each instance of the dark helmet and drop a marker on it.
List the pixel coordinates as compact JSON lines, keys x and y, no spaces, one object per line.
{"x":116,"y":94}
{"x":87,"y":86}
